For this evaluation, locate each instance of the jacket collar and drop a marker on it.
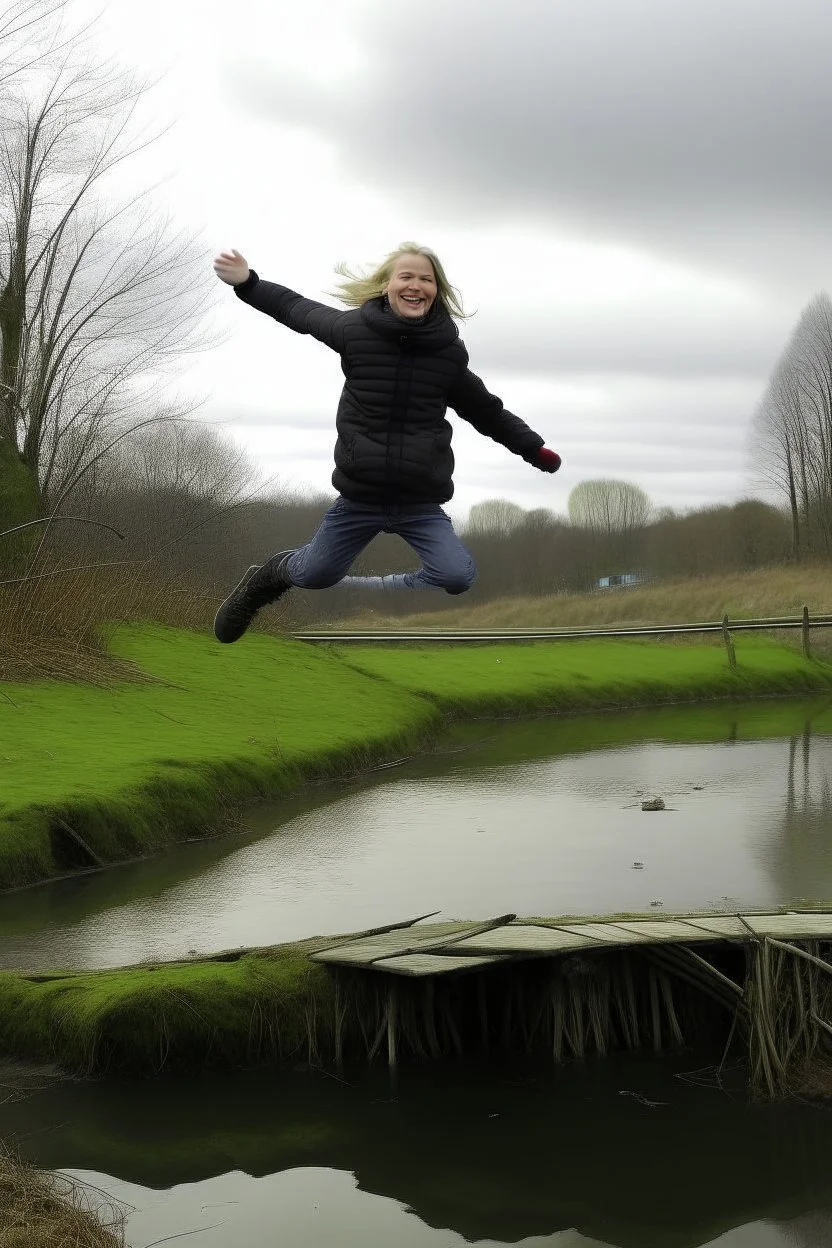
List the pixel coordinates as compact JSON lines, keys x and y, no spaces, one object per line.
{"x":437,"y":330}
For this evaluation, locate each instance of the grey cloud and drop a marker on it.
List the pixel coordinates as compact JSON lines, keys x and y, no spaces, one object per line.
{"x":660,"y":342}
{"x":698,"y":128}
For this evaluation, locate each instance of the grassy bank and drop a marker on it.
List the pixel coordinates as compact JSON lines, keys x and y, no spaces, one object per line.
{"x":588,"y":675}
{"x":273,"y":1005}
{"x":97,"y":774}
{"x":134,"y":766}
{"x":43,"y":1211}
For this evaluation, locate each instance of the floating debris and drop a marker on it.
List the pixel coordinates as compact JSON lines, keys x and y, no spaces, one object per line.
{"x":641,"y":1098}
{"x":653,"y":803}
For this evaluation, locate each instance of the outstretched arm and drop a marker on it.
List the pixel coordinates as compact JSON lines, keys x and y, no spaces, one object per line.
{"x":473,"y":402}
{"x":304,"y":316}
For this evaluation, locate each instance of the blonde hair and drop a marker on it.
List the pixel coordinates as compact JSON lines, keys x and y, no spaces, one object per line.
{"x":358,"y":288}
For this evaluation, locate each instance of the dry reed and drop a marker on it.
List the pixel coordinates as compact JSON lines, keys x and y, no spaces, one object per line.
{"x":40,"y":1210}
{"x":57,"y":625}
{"x":766,"y":999}
{"x":764,"y":593}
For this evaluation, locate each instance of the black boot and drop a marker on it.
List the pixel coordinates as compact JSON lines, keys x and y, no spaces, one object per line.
{"x":261,"y":584}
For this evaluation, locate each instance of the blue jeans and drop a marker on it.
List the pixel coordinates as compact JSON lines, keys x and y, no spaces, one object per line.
{"x":348,"y":527}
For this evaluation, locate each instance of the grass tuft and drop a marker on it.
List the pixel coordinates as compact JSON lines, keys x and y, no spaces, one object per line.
{"x":45,"y":1210}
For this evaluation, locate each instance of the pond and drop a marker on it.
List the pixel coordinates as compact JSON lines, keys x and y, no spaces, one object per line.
{"x":541,"y":817}
{"x":627,"y":1152}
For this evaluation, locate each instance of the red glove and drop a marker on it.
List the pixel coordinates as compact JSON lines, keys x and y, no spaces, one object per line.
{"x":546,"y":460}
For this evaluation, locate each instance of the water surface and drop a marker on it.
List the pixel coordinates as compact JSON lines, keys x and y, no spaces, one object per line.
{"x":539,"y":818}
{"x":620,"y":1152}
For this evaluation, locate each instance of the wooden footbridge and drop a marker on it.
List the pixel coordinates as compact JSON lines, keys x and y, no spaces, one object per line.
{"x":597,"y":984}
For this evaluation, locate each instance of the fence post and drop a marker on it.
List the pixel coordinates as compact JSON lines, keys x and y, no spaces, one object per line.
{"x":729,"y":643}
{"x":806,"y":651}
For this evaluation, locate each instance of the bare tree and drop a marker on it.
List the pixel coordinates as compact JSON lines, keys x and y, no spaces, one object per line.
{"x":613,"y":515}
{"x":608,"y":506}
{"x":793,"y":429}
{"x":173,"y":490}
{"x":98,"y":296}
{"x":20,"y":21}
{"x":497,"y":516}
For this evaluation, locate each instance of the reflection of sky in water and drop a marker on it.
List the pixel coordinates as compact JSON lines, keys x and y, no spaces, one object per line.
{"x":548,"y":837}
{"x":488,"y":1153}
{"x":318,"y":1208}
{"x":315,"y":1208}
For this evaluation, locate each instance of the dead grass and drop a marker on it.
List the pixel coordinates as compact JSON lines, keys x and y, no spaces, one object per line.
{"x":767,"y":592}
{"x":813,"y":1080}
{"x":49,"y":1210}
{"x":58,"y":626}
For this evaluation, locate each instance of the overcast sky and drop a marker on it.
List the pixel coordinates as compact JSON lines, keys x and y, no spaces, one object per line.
{"x":633,"y":195}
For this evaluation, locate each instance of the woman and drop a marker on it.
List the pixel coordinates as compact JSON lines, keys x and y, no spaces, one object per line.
{"x":404,"y":365}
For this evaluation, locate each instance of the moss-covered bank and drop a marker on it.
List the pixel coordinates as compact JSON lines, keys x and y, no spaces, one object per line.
{"x":267,"y":1006}
{"x":270,"y":1005}
{"x":92,"y":775}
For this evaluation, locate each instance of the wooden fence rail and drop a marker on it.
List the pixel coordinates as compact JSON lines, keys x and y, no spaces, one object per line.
{"x":726,"y":627}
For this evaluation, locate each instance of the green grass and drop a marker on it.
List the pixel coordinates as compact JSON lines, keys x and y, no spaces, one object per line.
{"x":171,"y":1016}
{"x":583,"y":675}
{"x":137,"y":765}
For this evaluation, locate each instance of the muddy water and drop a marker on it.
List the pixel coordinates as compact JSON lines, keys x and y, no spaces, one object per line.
{"x":540,"y":818}
{"x":627,"y":1152}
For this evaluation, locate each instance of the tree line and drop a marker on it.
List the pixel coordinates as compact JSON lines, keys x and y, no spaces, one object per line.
{"x":102,"y":296}
{"x":182,"y":498}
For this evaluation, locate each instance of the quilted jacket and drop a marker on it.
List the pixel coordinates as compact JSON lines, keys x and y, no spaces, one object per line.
{"x":394,"y":441}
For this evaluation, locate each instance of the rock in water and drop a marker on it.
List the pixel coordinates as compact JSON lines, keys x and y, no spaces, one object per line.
{"x":653,"y":803}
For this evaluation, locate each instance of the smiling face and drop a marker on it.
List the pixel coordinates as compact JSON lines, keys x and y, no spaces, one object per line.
{"x":412,"y":287}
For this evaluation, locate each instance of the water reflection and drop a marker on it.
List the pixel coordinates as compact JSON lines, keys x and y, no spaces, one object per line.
{"x":798,"y":845}
{"x":502,"y":1155}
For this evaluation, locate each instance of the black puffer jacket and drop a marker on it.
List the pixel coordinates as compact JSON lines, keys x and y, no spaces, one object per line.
{"x":394,"y":443}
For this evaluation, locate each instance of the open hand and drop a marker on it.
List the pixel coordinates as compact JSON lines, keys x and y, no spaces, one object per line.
{"x":231,"y":267}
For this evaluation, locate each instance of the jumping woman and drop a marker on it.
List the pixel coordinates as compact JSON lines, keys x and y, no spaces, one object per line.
{"x":405,"y":365}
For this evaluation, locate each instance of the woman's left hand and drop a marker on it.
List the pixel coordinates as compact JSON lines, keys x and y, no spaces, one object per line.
{"x":546,"y":460}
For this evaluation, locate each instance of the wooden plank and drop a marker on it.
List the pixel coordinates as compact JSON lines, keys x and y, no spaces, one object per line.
{"x":724,"y":926}
{"x":455,"y":938}
{"x":360,"y":952}
{"x":378,"y":931}
{"x":604,"y":933}
{"x":423,"y":964}
{"x":660,"y":930}
{"x":522,"y":938}
{"x":439,"y":948}
{"x":798,"y":926}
